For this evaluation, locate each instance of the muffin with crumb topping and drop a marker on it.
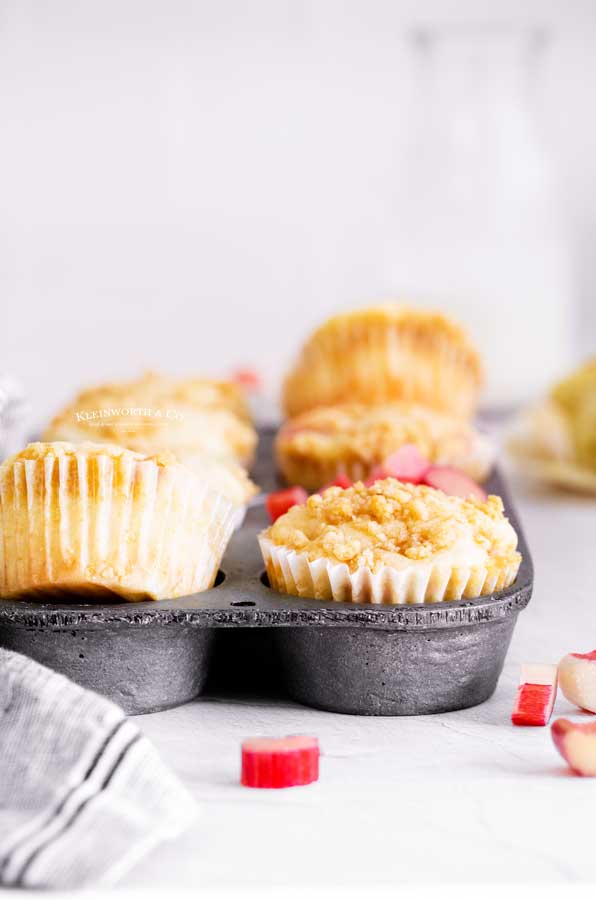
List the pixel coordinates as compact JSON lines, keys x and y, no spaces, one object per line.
{"x":386,"y":353}
{"x":555,"y":439}
{"x":160,"y":412}
{"x":353,"y":438}
{"x":391,"y":543}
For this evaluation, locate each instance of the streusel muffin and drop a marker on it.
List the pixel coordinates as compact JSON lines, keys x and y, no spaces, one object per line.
{"x":391,"y":543}
{"x":157,"y":412}
{"x":556,"y":439}
{"x":575,"y":399}
{"x":94,"y":518}
{"x":351,"y":439}
{"x":384,"y":354}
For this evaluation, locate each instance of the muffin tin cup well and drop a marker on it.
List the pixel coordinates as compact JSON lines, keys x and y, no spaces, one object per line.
{"x":342,"y":657}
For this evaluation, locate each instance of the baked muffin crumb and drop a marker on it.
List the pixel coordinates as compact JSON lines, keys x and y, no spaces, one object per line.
{"x":391,"y":523}
{"x":353,"y":438}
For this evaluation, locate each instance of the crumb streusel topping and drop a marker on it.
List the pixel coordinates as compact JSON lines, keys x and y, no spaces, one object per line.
{"x":158,"y":412}
{"x":370,"y":433}
{"x":396,"y":524}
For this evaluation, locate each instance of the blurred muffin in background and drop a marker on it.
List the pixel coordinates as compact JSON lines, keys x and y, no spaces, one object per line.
{"x":158,"y":412}
{"x":352,"y":439}
{"x":384,"y":354}
{"x":556,"y":439}
{"x":575,"y":399}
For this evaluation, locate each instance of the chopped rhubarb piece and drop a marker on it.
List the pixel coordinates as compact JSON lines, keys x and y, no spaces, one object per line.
{"x":576,"y":742}
{"x":452,"y":481}
{"x":280,"y":762}
{"x":340,"y":480}
{"x":535,"y":695}
{"x":279,"y":502}
{"x":248,"y":378}
{"x":577,"y":677}
{"x":406,"y":464}
{"x":378,"y":473}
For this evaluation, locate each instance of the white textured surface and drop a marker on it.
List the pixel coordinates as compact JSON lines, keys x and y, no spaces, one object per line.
{"x":462,"y":797}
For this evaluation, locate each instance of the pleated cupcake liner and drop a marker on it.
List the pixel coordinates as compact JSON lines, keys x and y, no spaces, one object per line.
{"x":98,"y":522}
{"x":226,"y":477}
{"x":293,"y":573}
{"x":380,"y":362}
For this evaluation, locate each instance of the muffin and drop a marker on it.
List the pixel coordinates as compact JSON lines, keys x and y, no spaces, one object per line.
{"x":556,"y":438}
{"x":391,"y":543}
{"x":575,"y":400}
{"x":157,"y":412}
{"x":384,"y":354}
{"x":352,"y":439}
{"x":99,"y":520}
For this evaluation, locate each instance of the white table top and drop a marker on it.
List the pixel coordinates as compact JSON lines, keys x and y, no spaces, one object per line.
{"x":458,"y":797}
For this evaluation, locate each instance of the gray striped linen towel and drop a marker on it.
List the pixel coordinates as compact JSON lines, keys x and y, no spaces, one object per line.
{"x":83,"y":795}
{"x":14,"y":416}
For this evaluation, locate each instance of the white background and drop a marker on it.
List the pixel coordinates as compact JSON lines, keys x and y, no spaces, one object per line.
{"x":192,"y":185}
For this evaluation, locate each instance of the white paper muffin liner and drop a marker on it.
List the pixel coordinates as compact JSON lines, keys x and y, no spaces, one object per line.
{"x":225,"y":477}
{"x":293,"y":573}
{"x":379,"y":360}
{"x":93,"y":522}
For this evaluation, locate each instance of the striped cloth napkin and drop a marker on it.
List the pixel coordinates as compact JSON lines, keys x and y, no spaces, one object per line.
{"x":14,"y":416}
{"x":83,"y":795}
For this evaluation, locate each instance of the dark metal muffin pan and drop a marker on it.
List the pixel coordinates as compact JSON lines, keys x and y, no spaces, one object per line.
{"x":342,"y":657}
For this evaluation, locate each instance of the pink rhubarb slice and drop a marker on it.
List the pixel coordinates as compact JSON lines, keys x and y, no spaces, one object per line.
{"x":576,"y":742}
{"x":280,"y":762}
{"x":341,"y":480}
{"x":535,"y":695}
{"x":406,"y":464}
{"x":577,"y":678}
{"x":279,"y":502}
{"x":452,"y":481}
{"x":248,"y":378}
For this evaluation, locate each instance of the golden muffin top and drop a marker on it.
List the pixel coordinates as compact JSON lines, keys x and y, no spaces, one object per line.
{"x":156,"y":389}
{"x":161,"y":412}
{"x":575,"y":398}
{"x":371,"y":433}
{"x":395,"y":524}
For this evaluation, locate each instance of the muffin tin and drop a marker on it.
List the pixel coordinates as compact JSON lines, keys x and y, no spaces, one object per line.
{"x":342,"y":657}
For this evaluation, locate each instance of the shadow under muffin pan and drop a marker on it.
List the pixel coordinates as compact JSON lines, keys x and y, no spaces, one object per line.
{"x":362,"y":659}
